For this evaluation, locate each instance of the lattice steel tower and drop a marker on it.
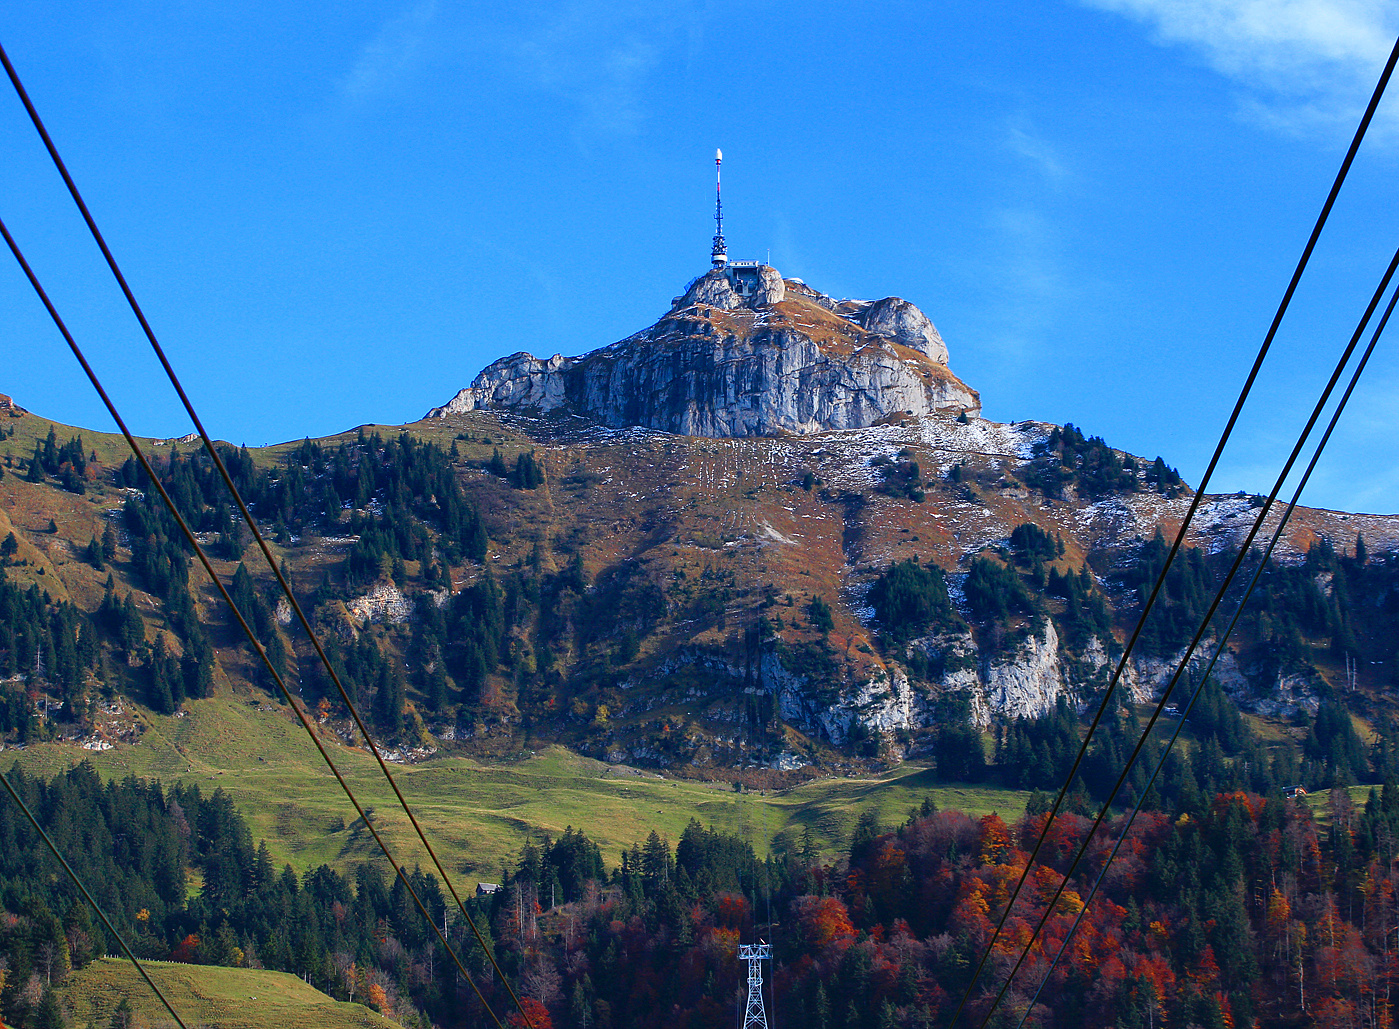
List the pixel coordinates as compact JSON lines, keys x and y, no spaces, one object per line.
{"x":754,"y":1015}
{"x":719,"y":256}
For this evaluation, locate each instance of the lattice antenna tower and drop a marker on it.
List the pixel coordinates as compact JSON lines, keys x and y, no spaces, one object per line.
{"x":754,"y":1014}
{"x":719,"y":256}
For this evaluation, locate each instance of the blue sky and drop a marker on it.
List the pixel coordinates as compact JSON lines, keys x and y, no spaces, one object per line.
{"x":337,"y":214}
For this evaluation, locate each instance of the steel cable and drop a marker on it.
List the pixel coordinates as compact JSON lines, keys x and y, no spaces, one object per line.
{"x":228,"y":599}
{"x":1218,"y":649}
{"x":1205,"y":622}
{"x":250,"y":521}
{"x":1190,"y":513}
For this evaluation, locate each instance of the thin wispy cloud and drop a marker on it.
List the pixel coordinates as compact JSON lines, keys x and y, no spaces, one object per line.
{"x":1301,"y":65}
{"x":394,"y":52}
{"x":601,"y":69}
{"x":1024,"y":280}
{"x":787,"y":253}
{"x":1039,"y":152}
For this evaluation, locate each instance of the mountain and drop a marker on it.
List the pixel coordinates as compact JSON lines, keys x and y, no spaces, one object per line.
{"x":743,"y":352}
{"x":837,"y":560}
{"x":807,"y":590}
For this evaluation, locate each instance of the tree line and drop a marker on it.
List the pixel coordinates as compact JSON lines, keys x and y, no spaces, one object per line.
{"x":1224,"y":908}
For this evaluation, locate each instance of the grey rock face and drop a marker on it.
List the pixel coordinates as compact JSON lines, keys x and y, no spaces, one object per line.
{"x":721,"y":364}
{"x":1262,"y":689}
{"x":903,"y":323}
{"x":1028,"y":682}
{"x":713,"y":289}
{"x":1025,"y":682}
{"x":771,"y":290}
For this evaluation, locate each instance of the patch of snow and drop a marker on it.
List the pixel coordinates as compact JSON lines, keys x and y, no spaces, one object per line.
{"x":766,"y":531}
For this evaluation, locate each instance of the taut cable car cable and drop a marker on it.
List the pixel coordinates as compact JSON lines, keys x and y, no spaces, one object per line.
{"x":1204,"y":623}
{"x":252,"y":523}
{"x":1200,"y":489}
{"x":1218,"y":649}
{"x":228,"y":599}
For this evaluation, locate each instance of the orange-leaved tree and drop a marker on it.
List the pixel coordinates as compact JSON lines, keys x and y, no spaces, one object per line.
{"x":824,"y":921}
{"x":995,"y":840}
{"x":538,"y":1015}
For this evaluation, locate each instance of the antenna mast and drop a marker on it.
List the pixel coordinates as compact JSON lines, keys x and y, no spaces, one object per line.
{"x":719,"y":255}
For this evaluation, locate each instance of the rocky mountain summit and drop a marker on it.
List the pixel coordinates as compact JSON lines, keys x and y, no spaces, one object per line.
{"x":743,"y":352}
{"x":769,"y":532}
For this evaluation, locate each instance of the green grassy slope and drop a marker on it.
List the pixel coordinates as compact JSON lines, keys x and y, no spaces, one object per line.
{"x":231,"y":998}
{"x":477,"y":814}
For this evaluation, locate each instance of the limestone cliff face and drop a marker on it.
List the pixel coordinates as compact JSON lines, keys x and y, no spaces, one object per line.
{"x":1262,"y":689}
{"x":900,"y":321}
{"x":1024,"y":681}
{"x":757,"y":356}
{"x":1026,"y":684}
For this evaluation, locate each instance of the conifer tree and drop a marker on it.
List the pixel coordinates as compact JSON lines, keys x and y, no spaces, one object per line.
{"x":48,"y":1015}
{"x":133,"y":631}
{"x":123,"y":1017}
{"x":36,"y":467}
{"x":388,"y":701}
{"x":277,"y":656}
{"x":164,"y":687}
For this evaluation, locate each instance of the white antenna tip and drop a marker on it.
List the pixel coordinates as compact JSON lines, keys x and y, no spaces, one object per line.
{"x":718,"y":154}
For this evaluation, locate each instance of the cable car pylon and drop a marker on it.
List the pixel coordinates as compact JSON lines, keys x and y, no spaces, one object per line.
{"x":754,"y":1014}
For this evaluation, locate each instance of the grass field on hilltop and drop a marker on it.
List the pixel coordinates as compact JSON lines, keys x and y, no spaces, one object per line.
{"x":231,"y":998}
{"x":1319,"y":801}
{"x":477,"y":815}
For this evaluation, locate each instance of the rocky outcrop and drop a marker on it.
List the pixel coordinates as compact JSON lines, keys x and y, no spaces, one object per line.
{"x":1022,"y":682}
{"x":383,"y":603}
{"x":880,"y":705}
{"x":899,"y":320}
{"x":756,"y":356}
{"x":1027,"y":682}
{"x":1264,"y":690}
{"x":713,"y":290}
{"x":1025,"y":679}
